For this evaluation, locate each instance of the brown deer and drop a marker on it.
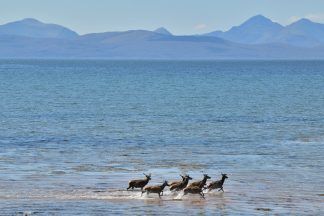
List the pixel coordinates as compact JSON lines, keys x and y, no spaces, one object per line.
{"x":217,"y":184}
{"x":139,"y":183}
{"x":201,"y":183}
{"x":177,"y":182}
{"x":181,"y":185}
{"x":194,"y":190}
{"x":155,"y":189}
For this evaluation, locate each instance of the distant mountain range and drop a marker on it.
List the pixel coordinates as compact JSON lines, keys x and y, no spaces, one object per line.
{"x":257,"y":38}
{"x":36,"y":29}
{"x":261,"y":30}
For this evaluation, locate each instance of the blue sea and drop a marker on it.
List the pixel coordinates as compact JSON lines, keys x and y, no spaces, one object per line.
{"x":74,"y":132}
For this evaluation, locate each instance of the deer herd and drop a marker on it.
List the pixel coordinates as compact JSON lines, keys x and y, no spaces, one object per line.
{"x":195,"y":187}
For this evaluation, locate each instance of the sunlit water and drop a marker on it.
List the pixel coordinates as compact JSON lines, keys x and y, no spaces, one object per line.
{"x":73,"y":133}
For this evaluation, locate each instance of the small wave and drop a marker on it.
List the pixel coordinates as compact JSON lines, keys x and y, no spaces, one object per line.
{"x":99,"y":194}
{"x":25,"y":213}
{"x":102,"y":194}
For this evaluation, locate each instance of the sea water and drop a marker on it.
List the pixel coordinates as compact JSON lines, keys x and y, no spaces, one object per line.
{"x":74,"y":132}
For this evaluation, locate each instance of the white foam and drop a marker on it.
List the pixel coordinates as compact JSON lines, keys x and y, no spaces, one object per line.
{"x":179,"y":196}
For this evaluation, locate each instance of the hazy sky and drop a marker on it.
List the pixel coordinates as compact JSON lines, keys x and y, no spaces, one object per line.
{"x":179,"y":16}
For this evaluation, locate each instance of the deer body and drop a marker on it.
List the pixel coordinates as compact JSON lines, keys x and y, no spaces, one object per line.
{"x":217,"y":184}
{"x":139,"y":183}
{"x":194,"y":190}
{"x":155,"y":189}
{"x":181,"y":185}
{"x":178,"y":182}
{"x":201,"y":183}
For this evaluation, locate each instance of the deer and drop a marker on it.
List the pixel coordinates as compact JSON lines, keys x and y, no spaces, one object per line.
{"x":201,"y":183}
{"x":177,"y":182}
{"x":178,"y":186}
{"x":217,"y":184}
{"x":194,"y":190}
{"x":139,"y":183}
{"x":155,"y":189}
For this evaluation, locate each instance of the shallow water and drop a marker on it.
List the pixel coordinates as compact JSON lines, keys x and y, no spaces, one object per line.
{"x":72,"y":133}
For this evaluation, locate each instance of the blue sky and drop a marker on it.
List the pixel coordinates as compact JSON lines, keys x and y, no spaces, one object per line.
{"x":179,"y":16}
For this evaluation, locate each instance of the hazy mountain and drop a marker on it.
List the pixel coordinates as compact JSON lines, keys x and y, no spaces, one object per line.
{"x":303,"y":32}
{"x":261,"y":30}
{"x":34,"y":28}
{"x":307,"y":28}
{"x":146,"y":45}
{"x":257,"y":29}
{"x":217,"y":33}
{"x":141,"y":44}
{"x":162,"y":31}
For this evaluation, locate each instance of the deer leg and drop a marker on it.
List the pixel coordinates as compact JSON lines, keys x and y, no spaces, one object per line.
{"x":159,"y":195}
{"x":129,"y":186}
{"x":202,"y":195}
{"x":142,"y":193}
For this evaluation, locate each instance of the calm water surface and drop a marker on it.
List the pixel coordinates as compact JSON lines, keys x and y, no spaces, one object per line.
{"x":72,"y":133}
